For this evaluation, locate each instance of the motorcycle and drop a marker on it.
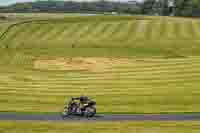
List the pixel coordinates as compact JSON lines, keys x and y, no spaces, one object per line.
{"x":75,"y":107}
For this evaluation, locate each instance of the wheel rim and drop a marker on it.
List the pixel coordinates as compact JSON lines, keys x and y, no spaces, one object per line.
{"x":90,"y":112}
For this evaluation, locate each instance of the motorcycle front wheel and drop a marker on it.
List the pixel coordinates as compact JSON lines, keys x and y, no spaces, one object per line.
{"x":90,"y":112}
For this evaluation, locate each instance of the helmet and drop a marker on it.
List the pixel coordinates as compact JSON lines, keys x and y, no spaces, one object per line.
{"x":83,"y":98}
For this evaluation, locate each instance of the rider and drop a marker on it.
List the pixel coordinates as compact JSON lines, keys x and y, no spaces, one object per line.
{"x":83,"y":101}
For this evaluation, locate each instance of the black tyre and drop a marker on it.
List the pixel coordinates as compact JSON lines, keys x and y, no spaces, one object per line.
{"x":65,"y":113}
{"x":69,"y":110}
{"x":90,"y":112}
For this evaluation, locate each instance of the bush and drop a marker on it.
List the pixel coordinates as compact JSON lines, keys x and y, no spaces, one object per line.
{"x":3,"y":17}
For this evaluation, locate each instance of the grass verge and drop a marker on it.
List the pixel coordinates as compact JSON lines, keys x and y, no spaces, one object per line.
{"x":99,"y":127}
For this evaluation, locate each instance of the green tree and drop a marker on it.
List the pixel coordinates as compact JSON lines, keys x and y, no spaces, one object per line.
{"x":148,"y":6}
{"x":165,"y":7}
{"x":187,"y":7}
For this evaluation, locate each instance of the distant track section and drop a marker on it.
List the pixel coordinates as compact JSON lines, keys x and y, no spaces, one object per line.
{"x":21,"y":23}
{"x":57,"y":117}
{"x":17,"y":24}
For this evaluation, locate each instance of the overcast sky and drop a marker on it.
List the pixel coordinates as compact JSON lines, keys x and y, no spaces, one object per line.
{"x":6,"y":2}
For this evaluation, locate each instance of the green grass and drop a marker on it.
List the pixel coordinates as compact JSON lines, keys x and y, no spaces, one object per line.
{"x":99,"y":127}
{"x":162,"y":73}
{"x":161,"y":85}
{"x":123,"y":32}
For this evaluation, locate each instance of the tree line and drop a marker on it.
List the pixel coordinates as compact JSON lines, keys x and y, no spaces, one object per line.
{"x":190,"y":8}
{"x":100,"y":6}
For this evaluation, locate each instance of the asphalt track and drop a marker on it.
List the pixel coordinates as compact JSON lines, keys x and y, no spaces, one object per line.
{"x":57,"y":117}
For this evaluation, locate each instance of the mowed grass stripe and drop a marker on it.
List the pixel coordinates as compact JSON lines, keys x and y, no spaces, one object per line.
{"x":191,"y":30}
{"x":66,"y":32}
{"x":133,"y":105}
{"x":78,"y":28}
{"x":121,"y":34}
{"x":40,"y":32}
{"x":138,"y":78}
{"x":94,"y":93}
{"x":104,"y":30}
{"x":162,"y":31}
{"x":149,"y":29}
{"x":111,"y":30}
{"x":70,"y":38}
{"x":132,"y":31}
{"x":153,"y":63}
{"x":180,"y":30}
{"x":107,"y":32}
{"x":59,"y":96}
{"x":34,"y":29}
{"x":138,"y":90}
{"x":90,"y":30}
{"x":127,"y":81}
{"x":12,"y":34}
{"x":47,"y":31}
{"x":57,"y":31}
{"x":156,"y":30}
{"x":95,"y":30}
{"x":84,"y":31}
{"x":116,"y":29}
{"x":21,"y":59}
{"x":123,"y":76}
{"x":135,"y":81}
{"x":99,"y":32}
{"x":196,"y":27}
{"x":35,"y":37}
{"x":146,"y":69}
{"x":128,"y":73}
{"x":176,"y":84}
{"x":113,"y":93}
{"x":142,"y":25}
{"x":179,"y":86}
{"x":129,"y":70}
{"x":184,"y":83}
{"x":28,"y":29}
{"x":187,"y":30}
{"x":185,"y":66}
{"x":172,"y":30}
